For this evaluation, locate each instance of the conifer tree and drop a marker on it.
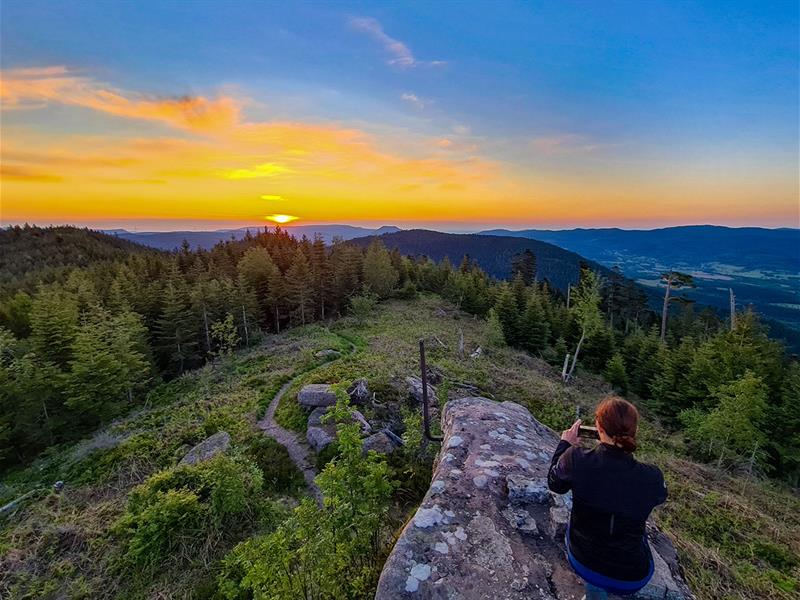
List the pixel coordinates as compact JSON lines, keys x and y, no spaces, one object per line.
{"x":494,"y":330}
{"x":523,"y":265}
{"x":616,"y":374}
{"x":508,"y":313}
{"x":379,"y":274}
{"x":176,"y":330}
{"x":256,"y":269}
{"x":534,"y":327}
{"x":299,"y":287}
{"x":54,"y":323}
{"x":321,"y":274}
{"x":97,"y":384}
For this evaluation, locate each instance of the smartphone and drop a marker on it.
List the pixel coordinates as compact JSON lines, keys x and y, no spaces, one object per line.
{"x":585,"y":431}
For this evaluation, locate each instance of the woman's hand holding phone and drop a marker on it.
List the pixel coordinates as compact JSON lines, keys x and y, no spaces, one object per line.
{"x":571,"y":435}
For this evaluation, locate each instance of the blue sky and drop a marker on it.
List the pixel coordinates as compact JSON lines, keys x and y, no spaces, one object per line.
{"x":559,"y":96}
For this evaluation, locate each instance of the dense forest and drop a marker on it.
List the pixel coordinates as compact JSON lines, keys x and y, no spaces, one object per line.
{"x":85,"y":344}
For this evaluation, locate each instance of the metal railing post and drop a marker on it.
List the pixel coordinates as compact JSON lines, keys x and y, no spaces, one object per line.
{"x":426,"y":418}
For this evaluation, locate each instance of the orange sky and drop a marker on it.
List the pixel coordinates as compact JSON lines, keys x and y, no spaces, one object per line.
{"x":123,"y":158}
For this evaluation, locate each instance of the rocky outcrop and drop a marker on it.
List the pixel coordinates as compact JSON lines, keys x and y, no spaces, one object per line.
{"x":209,"y":447}
{"x":488,"y":527}
{"x":316,"y":394}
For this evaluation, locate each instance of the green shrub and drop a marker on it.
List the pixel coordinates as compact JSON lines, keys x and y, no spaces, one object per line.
{"x":187,"y":503}
{"x":280,"y":473}
{"x":155,"y":529}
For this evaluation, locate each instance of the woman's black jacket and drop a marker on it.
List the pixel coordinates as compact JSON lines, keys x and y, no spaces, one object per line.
{"x":612,"y":496}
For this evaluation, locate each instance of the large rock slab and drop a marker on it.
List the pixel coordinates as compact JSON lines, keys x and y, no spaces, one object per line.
{"x":208,"y":448}
{"x":488,"y":528}
{"x":316,"y":394}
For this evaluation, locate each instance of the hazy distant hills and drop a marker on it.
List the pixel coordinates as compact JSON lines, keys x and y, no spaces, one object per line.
{"x":493,"y":254}
{"x":762,"y":266}
{"x":749,"y":248}
{"x":169,"y":240}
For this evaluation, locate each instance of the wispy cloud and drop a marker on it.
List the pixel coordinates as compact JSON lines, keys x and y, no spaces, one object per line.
{"x":415,"y":100}
{"x":27,"y":88}
{"x":567,"y":143}
{"x":401,"y":55}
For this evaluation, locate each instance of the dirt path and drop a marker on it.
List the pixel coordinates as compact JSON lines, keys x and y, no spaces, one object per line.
{"x":299,"y":451}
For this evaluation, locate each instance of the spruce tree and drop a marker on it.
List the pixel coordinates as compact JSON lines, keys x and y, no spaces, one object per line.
{"x":379,"y":274}
{"x":534,"y":327}
{"x":616,"y":374}
{"x":299,"y":287}
{"x":508,"y":313}
{"x":54,"y":323}
{"x":177,"y":329}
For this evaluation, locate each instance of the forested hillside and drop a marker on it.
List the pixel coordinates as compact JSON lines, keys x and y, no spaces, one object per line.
{"x":109,"y":375}
{"x":492,"y":254}
{"x":31,"y":254}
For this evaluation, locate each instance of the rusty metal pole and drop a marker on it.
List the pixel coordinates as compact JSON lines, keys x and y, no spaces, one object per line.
{"x":426,"y":418}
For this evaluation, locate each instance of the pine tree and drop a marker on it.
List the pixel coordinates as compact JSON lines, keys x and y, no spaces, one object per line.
{"x":616,"y":374}
{"x":299,"y":287}
{"x":494,"y":331}
{"x":256,"y":269}
{"x":54,"y":323}
{"x":97,"y":382}
{"x":321,"y":275}
{"x":379,"y":274}
{"x":534,"y":327}
{"x":508,"y":313}
{"x":523,"y":265}
{"x":177,"y":329}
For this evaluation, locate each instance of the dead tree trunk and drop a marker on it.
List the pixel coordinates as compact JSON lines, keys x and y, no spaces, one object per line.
{"x":665,"y":311}
{"x":246,"y":331}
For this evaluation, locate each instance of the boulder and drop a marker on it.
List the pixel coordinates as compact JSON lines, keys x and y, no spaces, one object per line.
{"x":379,"y":442}
{"x":414,"y":385}
{"x":488,"y":526}
{"x":359,"y":392}
{"x":316,"y":394}
{"x":209,"y":447}
{"x":320,"y":437}
{"x":328,"y":354}
{"x":319,"y":434}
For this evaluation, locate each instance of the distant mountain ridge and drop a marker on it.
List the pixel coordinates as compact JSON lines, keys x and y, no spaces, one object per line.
{"x":170,"y":240}
{"x":748,"y":247}
{"x":761,"y":266}
{"x":493,"y":254}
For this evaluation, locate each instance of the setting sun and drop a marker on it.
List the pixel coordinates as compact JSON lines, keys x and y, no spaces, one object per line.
{"x":281,"y":219}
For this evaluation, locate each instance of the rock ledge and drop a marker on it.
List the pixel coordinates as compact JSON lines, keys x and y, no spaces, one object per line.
{"x":488,"y":527}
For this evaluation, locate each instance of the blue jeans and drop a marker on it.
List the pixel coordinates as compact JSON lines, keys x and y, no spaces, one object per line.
{"x":599,"y":584}
{"x":595,"y":593}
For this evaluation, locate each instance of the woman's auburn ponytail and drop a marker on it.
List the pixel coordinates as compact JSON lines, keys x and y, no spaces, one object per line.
{"x":625,"y":442}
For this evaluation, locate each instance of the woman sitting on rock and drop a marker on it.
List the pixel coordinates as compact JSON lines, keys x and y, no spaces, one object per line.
{"x":612,"y":497}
